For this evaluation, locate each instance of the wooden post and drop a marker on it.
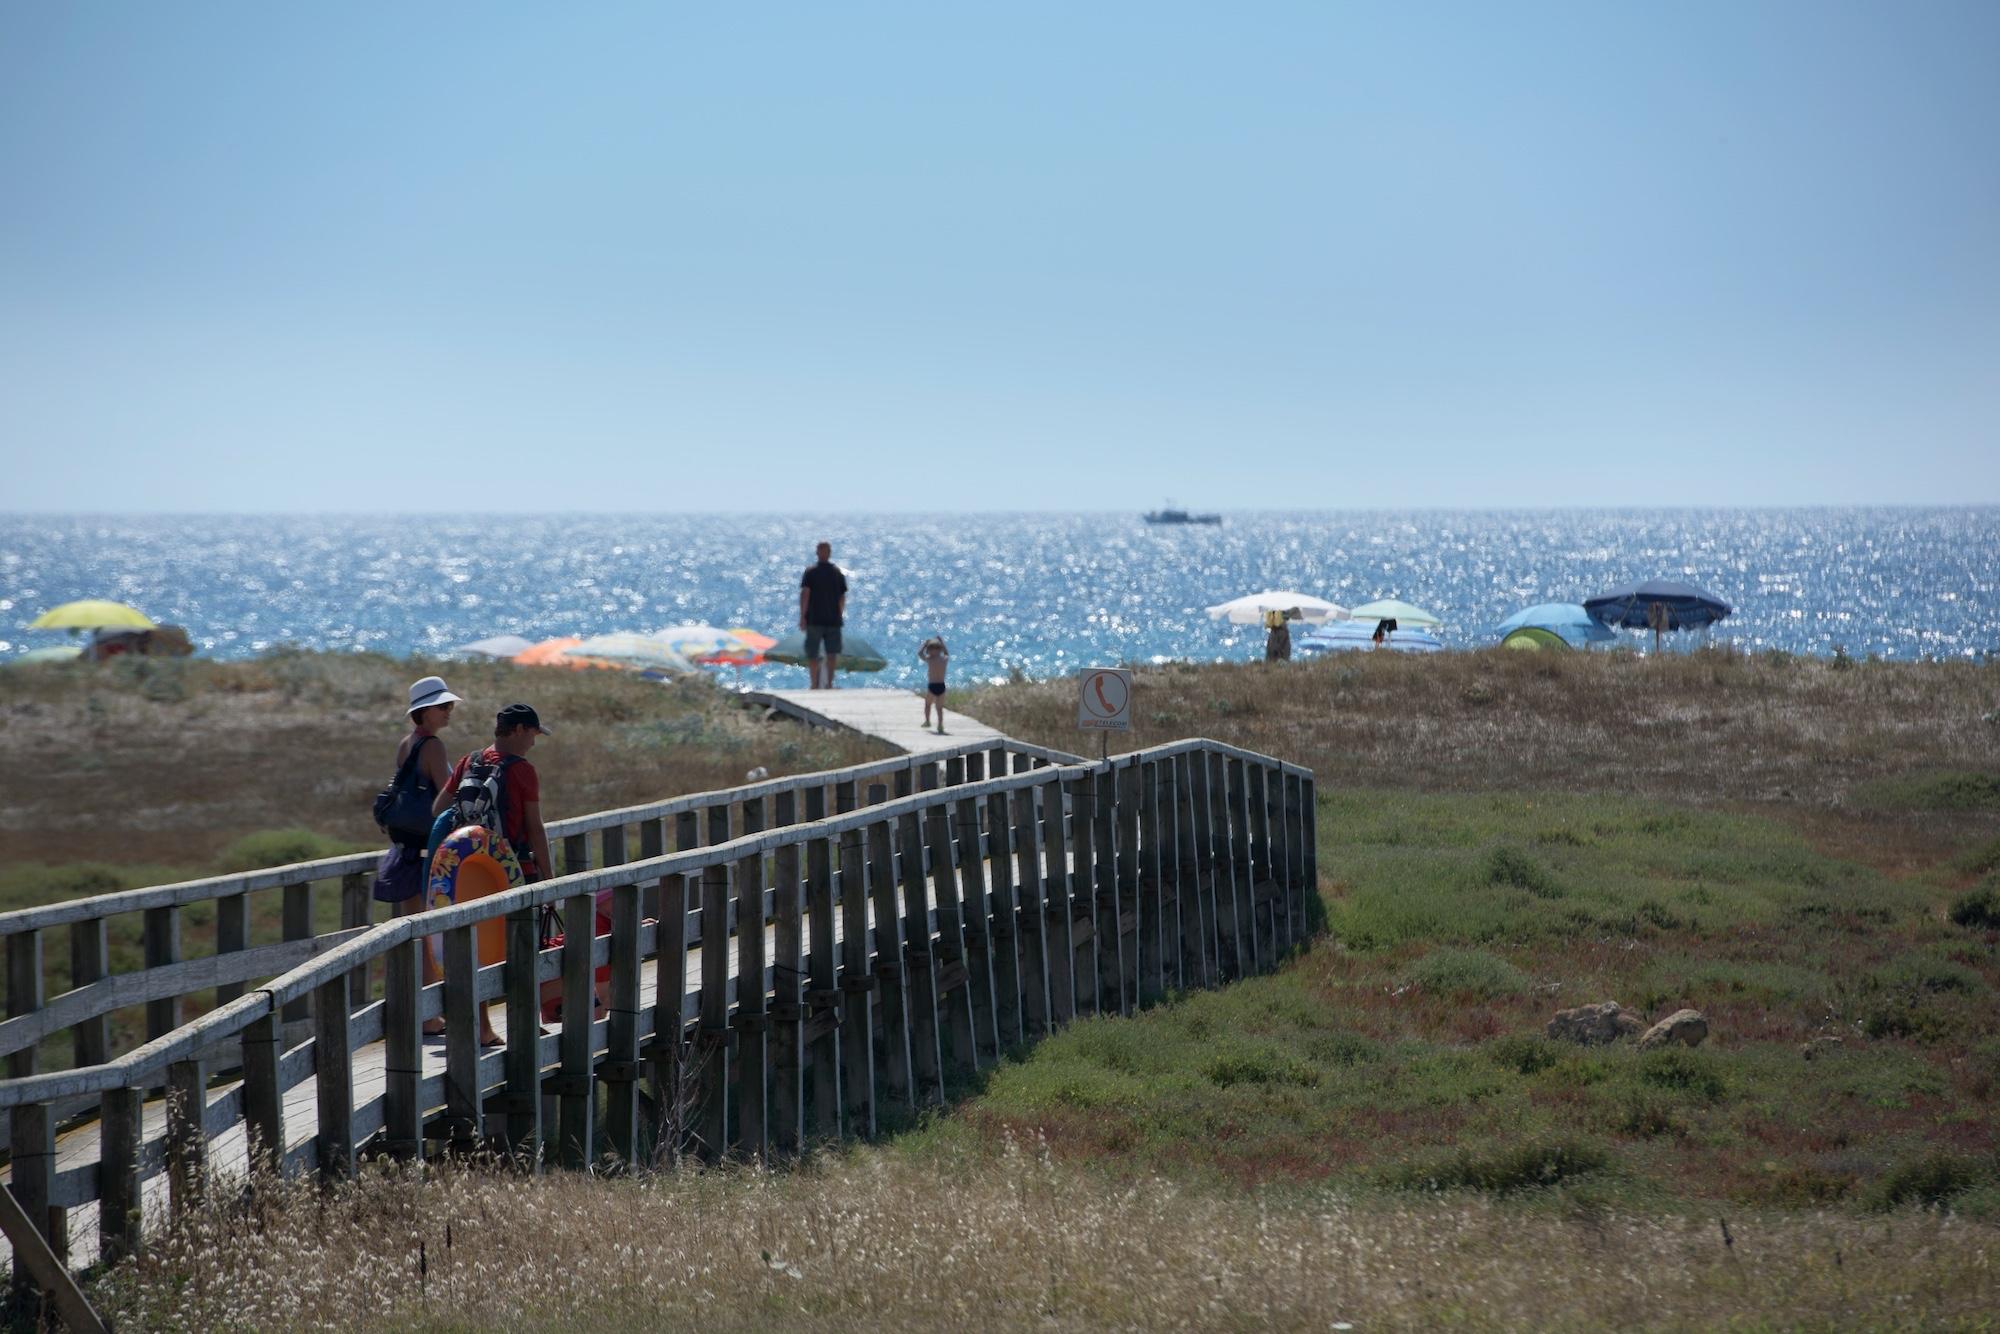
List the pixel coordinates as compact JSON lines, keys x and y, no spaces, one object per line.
{"x":712,"y":1118}
{"x":163,"y":947}
{"x":788,"y":966}
{"x":857,"y":991}
{"x":354,"y":912}
{"x":652,"y":843}
{"x":1167,"y":859}
{"x":954,"y":771}
{"x":1283,"y":820}
{"x":822,"y":982}
{"x":263,"y":1100}
{"x":464,"y":1114}
{"x":575,"y":856}
{"x":89,"y":961}
{"x":927,"y":776}
{"x":232,"y":933}
{"x":668,"y":1051}
{"x":1155,"y":938}
{"x":926,"y":1054}
{"x":36,"y":1264}
{"x":905,"y":782}
{"x":1128,"y":922}
{"x":576,"y":1144}
{"x":1058,"y":933}
{"x":989,"y":937}
{"x":333,"y":1079}
{"x":298,"y":925}
{"x":752,"y":1012}
{"x":1258,"y":837}
{"x":1309,"y":796}
{"x":1229,"y":949}
{"x":1197,"y":902}
{"x":32,"y":1154}
{"x":611,"y":845}
{"x":960,"y":1036}
{"x":620,"y":1071}
{"x":673,"y":1079}
{"x":1086,"y":920}
{"x":843,"y":796}
{"x":687,"y":831}
{"x":1237,"y":791}
{"x":120,"y":1221}
{"x":402,"y":1050}
{"x":972,"y":767}
{"x":525,"y":1133}
{"x":1003,"y":923}
{"x":1031,"y":917}
{"x":187,"y":1138}
{"x":898,"y":1081}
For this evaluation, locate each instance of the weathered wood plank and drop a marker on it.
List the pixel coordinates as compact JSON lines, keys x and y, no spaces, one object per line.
{"x":787,"y":1113}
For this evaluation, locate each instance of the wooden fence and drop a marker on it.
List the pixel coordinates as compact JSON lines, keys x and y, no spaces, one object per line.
{"x":816,"y":955}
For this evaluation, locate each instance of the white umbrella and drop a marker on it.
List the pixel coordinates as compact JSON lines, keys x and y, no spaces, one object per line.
{"x":1250,"y":609}
{"x":498,"y":646}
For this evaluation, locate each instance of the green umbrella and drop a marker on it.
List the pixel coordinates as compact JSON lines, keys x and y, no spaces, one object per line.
{"x":856,"y":653}
{"x":1390,"y":609}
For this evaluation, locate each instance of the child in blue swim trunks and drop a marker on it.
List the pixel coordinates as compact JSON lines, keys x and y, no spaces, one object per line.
{"x":934,"y":655}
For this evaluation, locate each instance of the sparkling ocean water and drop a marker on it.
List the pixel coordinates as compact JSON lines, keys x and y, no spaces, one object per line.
{"x":1039,"y":593}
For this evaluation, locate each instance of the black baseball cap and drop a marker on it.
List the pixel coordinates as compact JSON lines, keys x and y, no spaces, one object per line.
{"x":519,"y":715}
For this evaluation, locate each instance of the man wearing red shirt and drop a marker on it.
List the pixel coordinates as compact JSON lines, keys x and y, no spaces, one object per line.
{"x":516,"y":728}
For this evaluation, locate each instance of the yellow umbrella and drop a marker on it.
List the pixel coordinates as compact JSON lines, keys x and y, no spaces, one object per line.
{"x":92,"y":614}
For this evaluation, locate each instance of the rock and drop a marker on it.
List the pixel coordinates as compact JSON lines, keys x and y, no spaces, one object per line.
{"x":1687,"y":1027}
{"x":1594,"y":1025}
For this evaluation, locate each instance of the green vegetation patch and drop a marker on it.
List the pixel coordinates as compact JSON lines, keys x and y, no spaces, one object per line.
{"x":1936,"y":790}
{"x":281,"y":847}
{"x":1405,"y":1050}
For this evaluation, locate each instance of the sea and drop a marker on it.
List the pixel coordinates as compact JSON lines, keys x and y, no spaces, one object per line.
{"x":1038,"y":595}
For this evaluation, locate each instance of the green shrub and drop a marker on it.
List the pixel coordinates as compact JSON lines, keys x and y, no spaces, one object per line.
{"x":1258,"y":1065}
{"x":1981,"y":859}
{"x":1524,"y":1055}
{"x":1929,"y":1181}
{"x":1466,"y":973}
{"x":1979,"y":908}
{"x":280,"y":847}
{"x":1512,"y":867}
{"x":1691,"y":1073}
{"x":1500,"y":1169}
{"x":1940,"y":790}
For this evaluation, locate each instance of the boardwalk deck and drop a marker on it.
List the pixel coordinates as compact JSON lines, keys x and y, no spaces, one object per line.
{"x":892,"y":716}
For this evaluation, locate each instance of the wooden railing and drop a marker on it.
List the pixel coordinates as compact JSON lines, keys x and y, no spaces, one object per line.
{"x":899,"y":934}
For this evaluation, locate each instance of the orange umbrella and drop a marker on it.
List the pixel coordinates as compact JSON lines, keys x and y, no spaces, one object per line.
{"x":747,"y":651}
{"x":555,"y":653}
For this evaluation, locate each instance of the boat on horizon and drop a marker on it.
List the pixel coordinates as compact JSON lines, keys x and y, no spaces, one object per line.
{"x":1168,"y":514}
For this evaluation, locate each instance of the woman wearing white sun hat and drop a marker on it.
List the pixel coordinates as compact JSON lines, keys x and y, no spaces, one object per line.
{"x":399,"y":878}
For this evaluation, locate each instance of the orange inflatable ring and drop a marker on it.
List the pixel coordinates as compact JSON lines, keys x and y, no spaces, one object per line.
{"x":471,"y":863}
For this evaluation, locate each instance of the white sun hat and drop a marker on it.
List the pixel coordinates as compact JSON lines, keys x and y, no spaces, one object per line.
{"x":429,"y":691}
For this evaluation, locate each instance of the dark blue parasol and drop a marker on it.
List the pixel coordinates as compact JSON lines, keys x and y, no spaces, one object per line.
{"x":1682,"y":607}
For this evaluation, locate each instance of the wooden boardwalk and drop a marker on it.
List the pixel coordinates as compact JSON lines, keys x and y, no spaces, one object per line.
{"x":891,"y":716}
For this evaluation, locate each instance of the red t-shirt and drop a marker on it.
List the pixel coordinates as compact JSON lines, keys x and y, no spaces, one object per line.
{"x":519,"y":786}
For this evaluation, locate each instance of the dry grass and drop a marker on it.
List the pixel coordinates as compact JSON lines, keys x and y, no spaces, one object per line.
{"x":1697,"y":729}
{"x":169,"y":761}
{"x":1012,"y":1239}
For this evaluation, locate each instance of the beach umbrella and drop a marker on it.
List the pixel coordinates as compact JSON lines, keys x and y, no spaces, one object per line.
{"x":1390,"y":609}
{"x":92,"y":614}
{"x":1534,"y":638}
{"x":695,"y":642}
{"x":498,"y":646}
{"x":1250,"y":609}
{"x":856,"y":653}
{"x":1566,"y":619}
{"x":556,"y":653}
{"x":746,"y":649}
{"x":634,"y":651}
{"x":1347,"y":636}
{"x":1658,"y":605}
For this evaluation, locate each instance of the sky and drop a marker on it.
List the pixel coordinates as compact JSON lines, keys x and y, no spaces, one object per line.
{"x":367,"y":257}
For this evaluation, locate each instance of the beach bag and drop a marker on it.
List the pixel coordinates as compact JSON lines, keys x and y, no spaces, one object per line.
{"x":403,"y":809}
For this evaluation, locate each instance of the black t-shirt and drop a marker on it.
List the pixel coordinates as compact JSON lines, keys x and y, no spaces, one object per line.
{"x":825,"y":584}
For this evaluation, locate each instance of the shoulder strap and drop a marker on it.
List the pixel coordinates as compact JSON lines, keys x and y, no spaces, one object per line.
{"x":409,"y":764}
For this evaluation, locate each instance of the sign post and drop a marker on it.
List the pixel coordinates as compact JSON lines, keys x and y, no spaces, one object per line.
{"x":1104,"y":702}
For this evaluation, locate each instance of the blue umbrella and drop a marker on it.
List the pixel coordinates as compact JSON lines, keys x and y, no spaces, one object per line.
{"x":1341,"y":636}
{"x":1576,"y":626}
{"x":1684,"y":607}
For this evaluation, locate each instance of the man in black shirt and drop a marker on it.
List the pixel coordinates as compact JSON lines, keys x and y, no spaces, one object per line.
{"x":822,"y":609}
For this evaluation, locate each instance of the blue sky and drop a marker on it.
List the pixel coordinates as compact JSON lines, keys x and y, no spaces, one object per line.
{"x":442,"y":257}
